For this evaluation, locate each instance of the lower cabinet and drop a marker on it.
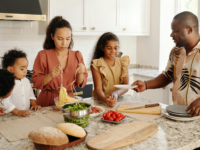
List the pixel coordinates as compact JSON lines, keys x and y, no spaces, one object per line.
{"x":161,"y":95}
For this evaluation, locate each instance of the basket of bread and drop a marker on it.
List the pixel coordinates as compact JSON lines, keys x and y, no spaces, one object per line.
{"x":64,"y":135}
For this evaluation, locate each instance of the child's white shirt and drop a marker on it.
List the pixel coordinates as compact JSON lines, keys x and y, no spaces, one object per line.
{"x":20,"y":96}
{"x":6,"y":104}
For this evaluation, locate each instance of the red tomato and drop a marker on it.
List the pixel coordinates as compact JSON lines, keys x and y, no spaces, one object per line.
{"x":118,"y":115}
{"x":108,"y":115}
{"x":104,"y":114}
{"x":102,"y":118}
{"x":117,"y":120}
{"x":111,"y":118}
{"x":113,"y":115}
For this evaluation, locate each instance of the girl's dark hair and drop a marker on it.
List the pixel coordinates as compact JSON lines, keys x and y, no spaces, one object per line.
{"x":101,"y":43}
{"x":56,"y":22}
{"x":7,"y":82}
{"x":11,"y":56}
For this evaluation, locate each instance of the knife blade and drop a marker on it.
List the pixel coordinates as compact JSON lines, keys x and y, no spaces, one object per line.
{"x":145,"y":106}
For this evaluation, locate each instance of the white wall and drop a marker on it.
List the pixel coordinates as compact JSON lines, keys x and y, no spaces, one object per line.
{"x":24,"y":35}
{"x":148,"y":46}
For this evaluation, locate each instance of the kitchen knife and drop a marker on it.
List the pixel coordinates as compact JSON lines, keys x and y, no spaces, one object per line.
{"x":145,"y":106}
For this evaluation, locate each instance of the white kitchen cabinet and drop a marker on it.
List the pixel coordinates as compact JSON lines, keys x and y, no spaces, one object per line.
{"x":161,"y":95}
{"x":74,"y":11}
{"x":95,"y":17}
{"x":103,"y":15}
{"x":135,"y":17}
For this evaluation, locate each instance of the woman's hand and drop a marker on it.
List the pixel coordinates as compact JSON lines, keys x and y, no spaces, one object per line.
{"x":80,"y":68}
{"x":56,"y":71}
{"x":110,"y":101}
{"x":141,"y":86}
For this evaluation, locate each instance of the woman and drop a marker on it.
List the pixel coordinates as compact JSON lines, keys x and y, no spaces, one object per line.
{"x":57,"y":59}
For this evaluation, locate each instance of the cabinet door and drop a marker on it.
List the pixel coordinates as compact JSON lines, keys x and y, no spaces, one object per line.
{"x":74,"y":11}
{"x":135,"y":17}
{"x":103,"y":15}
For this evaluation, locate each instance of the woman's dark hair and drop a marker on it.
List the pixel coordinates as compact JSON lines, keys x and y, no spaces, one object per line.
{"x":11,"y":56}
{"x":101,"y":43}
{"x":56,"y":22}
{"x":7,"y":82}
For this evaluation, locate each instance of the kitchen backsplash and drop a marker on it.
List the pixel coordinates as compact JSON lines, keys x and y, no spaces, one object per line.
{"x":24,"y":35}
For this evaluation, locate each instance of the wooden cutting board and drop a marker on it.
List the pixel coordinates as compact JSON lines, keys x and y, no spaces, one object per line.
{"x":151,"y":110}
{"x":122,"y":135}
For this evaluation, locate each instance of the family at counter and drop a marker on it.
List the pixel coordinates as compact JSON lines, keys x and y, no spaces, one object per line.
{"x":57,"y":58}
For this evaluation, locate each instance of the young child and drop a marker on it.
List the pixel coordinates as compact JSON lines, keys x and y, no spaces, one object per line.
{"x":7,"y":83}
{"x":22,"y":95}
{"x":108,"y":70}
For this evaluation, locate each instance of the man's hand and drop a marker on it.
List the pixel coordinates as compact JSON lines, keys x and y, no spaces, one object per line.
{"x":194,"y":108}
{"x":35,"y":107}
{"x":141,"y":86}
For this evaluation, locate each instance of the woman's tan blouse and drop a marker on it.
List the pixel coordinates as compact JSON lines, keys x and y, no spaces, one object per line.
{"x":111,"y":75}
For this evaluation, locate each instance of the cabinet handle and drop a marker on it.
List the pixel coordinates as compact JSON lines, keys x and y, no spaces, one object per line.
{"x":171,"y":89}
{"x":93,"y":28}
{"x":78,"y":93}
{"x":124,"y":29}
{"x":84,"y":28}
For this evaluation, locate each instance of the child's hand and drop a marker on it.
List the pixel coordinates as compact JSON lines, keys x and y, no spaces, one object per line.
{"x":35,"y":107}
{"x":81,"y":68}
{"x":114,"y":95}
{"x":2,"y":113}
{"x":110,"y":101}
{"x":23,"y":113}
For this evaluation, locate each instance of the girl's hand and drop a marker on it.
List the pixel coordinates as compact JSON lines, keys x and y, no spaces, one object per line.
{"x":56,"y":71}
{"x":114,"y":95}
{"x":80,"y":68}
{"x":2,"y":113}
{"x":141,"y":86}
{"x":110,"y":101}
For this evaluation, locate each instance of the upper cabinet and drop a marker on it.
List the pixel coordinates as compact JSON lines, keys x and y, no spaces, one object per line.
{"x":94,"y":17}
{"x":103,"y":15}
{"x":74,"y":11}
{"x":135,"y":17}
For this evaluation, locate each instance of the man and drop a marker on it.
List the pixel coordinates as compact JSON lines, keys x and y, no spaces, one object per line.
{"x":183,"y":68}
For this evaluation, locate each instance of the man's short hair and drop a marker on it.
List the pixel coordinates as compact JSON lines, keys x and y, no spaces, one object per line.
{"x":7,"y":82}
{"x":187,"y":18}
{"x":11,"y":56}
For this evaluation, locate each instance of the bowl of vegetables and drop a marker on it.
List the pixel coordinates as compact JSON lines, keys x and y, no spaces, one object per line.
{"x":77,"y":109}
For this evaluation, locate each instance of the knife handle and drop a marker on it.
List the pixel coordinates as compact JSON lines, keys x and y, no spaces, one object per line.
{"x":152,"y":105}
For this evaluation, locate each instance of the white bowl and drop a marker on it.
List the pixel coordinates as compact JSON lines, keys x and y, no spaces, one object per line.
{"x":97,"y":114}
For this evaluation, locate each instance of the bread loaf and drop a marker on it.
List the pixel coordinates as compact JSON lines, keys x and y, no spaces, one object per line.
{"x":71,"y":129}
{"x":48,"y":136}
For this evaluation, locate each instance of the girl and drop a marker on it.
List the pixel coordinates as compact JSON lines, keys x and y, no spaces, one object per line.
{"x":57,"y":59}
{"x":108,"y":70}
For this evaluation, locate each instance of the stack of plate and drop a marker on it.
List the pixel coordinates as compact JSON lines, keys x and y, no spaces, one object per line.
{"x":177,"y":112}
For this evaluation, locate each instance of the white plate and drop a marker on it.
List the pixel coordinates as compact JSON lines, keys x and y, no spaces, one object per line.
{"x":97,"y":114}
{"x":124,"y":86}
{"x":165,"y":114}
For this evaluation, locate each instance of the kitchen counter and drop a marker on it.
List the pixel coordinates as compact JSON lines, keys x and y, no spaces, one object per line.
{"x":142,"y":72}
{"x":171,"y":135}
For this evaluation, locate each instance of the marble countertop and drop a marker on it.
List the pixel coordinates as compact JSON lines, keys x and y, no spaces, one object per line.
{"x":171,"y":135}
{"x":142,"y":72}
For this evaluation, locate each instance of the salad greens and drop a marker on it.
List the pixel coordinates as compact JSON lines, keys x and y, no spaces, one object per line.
{"x":77,"y":120}
{"x":77,"y":106}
